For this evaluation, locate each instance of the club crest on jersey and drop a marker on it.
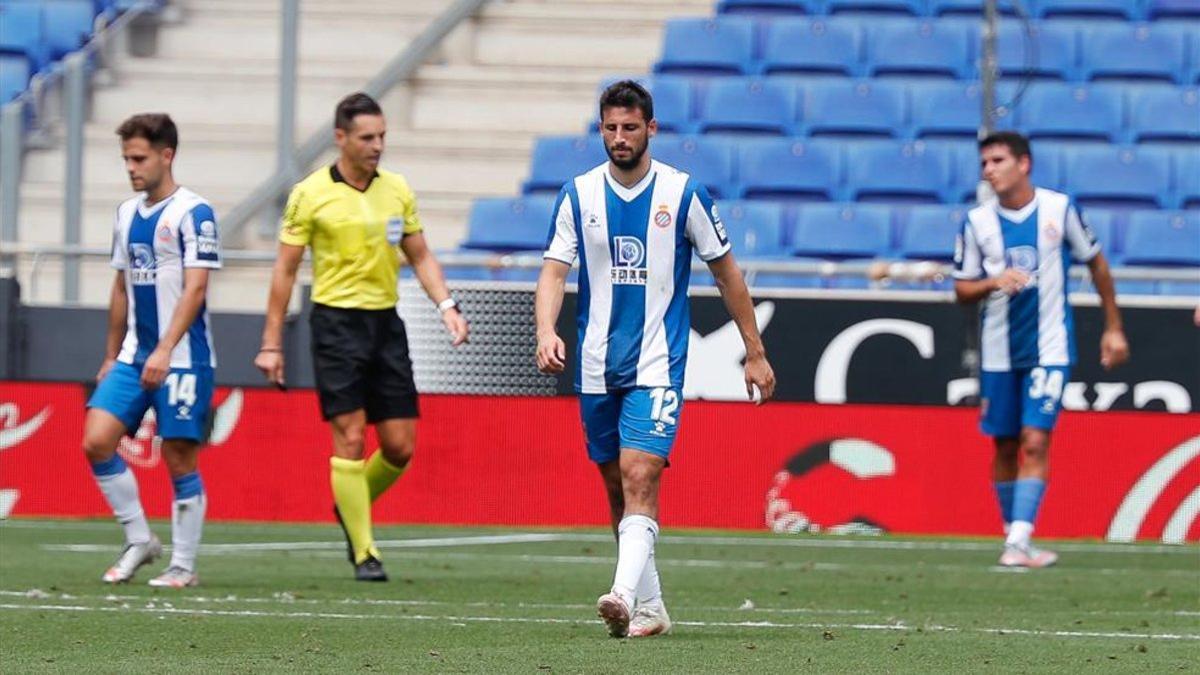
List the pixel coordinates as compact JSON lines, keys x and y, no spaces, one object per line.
{"x":1053,"y":234}
{"x":141,"y":264}
{"x":663,"y":217}
{"x":629,"y":258}
{"x":164,"y":232}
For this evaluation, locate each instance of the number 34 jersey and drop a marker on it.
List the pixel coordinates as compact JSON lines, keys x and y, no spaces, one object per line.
{"x":634,"y":247}
{"x":153,"y":245}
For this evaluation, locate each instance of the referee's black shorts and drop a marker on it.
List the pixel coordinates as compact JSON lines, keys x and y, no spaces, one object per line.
{"x":360,"y":358}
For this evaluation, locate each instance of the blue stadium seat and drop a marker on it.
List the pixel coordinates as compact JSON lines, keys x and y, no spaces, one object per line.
{"x":919,"y":48}
{"x":1089,"y":9}
{"x":963,"y":158}
{"x":558,"y":159}
{"x":1133,"y":52}
{"x":21,"y":32}
{"x":812,"y":46}
{"x":749,"y":105}
{"x":854,"y":108}
{"x":1049,"y":51}
{"x":504,"y":224}
{"x":897,"y":172}
{"x":755,"y":228}
{"x":1165,"y":114}
{"x":876,"y":7}
{"x":1186,"y":289}
{"x":1163,"y":238}
{"x":1187,"y":178}
{"x":67,"y":24}
{"x":768,"y":7}
{"x":724,"y":45}
{"x":708,"y":160}
{"x":1070,"y":112}
{"x":1173,"y":9}
{"x":672,"y":103}
{"x":841,"y":231}
{"x":1118,"y":176}
{"x":968,"y":7}
{"x":1048,"y":165}
{"x":14,"y":76}
{"x":789,"y":169}
{"x":929,"y":232}
{"x":945,"y":109}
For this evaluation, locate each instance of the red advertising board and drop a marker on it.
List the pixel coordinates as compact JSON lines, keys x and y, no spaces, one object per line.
{"x":520,"y":461}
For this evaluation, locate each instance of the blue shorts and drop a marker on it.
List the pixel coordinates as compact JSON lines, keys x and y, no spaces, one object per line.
{"x":1022,"y":397}
{"x":181,"y":405}
{"x":639,"y":419}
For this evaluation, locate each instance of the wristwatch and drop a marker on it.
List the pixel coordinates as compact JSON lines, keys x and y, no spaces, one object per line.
{"x":447,"y":305}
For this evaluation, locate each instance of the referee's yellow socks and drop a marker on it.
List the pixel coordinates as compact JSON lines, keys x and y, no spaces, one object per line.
{"x":353,"y":499}
{"x":381,"y":474}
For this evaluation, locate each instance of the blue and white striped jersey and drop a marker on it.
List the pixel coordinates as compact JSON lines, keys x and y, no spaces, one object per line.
{"x":153,"y":245}
{"x":635,"y":251}
{"x":1035,"y":326}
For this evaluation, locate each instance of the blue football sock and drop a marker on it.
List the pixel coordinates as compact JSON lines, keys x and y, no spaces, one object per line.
{"x":1027,"y":497}
{"x":1004,"y":493}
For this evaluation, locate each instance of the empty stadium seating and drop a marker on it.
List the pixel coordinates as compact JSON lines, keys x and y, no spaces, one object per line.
{"x":557,"y":159}
{"x":1163,"y":238}
{"x":841,"y":231}
{"x":509,"y":224}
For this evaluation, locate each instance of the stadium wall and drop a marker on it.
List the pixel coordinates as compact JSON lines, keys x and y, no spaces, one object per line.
{"x":519,"y":460}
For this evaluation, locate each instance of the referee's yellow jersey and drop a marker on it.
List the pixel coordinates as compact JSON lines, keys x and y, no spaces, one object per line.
{"x":354,"y":235}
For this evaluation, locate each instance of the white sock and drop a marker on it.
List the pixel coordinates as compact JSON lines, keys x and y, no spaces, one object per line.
{"x":121,"y":491}
{"x":187,"y":521}
{"x":635,"y":544}
{"x":649,"y":590}
{"x":1019,"y":533}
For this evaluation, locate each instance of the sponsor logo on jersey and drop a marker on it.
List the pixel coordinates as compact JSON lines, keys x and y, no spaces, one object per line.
{"x":629,"y":260}
{"x":141,"y":264}
{"x":206,"y":239}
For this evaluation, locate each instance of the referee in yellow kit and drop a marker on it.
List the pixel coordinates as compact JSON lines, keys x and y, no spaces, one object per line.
{"x":357,"y":218}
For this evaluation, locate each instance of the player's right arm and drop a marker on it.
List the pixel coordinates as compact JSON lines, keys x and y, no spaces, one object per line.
{"x":562,"y":243}
{"x":118,"y":309}
{"x":295,"y":233}
{"x":971,"y":283}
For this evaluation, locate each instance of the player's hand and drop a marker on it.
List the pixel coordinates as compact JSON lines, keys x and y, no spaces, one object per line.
{"x":271,"y":365}
{"x":104,"y":368}
{"x":551,"y":354}
{"x":759,"y":374}
{"x":158,"y":364}
{"x":456,"y":325}
{"x":1012,"y":281}
{"x":1114,"y":349}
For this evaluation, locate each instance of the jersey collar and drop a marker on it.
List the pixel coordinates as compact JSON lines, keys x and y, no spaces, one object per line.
{"x":339,"y":178}
{"x":1018,"y":215}
{"x":630,"y":193}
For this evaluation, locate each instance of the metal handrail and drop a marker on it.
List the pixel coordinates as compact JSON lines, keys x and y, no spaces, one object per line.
{"x":533,"y":260}
{"x":400,"y":68}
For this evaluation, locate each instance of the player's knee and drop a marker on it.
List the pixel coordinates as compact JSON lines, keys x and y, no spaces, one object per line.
{"x":350,"y":442}
{"x":97,"y":448}
{"x":638,"y":477}
{"x":399,"y":454}
{"x":1035,"y":447}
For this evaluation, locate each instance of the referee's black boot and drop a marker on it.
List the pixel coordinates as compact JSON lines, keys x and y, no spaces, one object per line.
{"x":370,"y":570}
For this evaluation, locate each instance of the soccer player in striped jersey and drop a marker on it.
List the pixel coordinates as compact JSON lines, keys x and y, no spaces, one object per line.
{"x":159,"y":352}
{"x":633,"y":224}
{"x":1013,"y":254}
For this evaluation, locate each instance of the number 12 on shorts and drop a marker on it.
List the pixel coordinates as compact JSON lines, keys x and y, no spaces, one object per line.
{"x":666,"y":402}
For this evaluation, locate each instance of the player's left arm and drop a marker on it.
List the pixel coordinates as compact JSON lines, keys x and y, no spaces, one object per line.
{"x":433,"y":280}
{"x":737,"y":300}
{"x":158,"y":364}
{"x":1114,"y":348}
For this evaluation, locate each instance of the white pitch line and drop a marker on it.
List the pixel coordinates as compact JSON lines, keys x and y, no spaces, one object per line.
{"x":246,"y":549}
{"x":429,"y":542}
{"x":281,"y":600}
{"x":887,"y":542}
{"x":551,"y":620}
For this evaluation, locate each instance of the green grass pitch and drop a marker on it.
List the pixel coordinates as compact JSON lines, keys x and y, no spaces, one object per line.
{"x":280,"y":598}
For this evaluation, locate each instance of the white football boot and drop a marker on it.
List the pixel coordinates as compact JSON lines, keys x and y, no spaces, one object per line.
{"x":615,"y":612}
{"x":175,"y":577}
{"x":650,"y":620}
{"x":133,"y":557}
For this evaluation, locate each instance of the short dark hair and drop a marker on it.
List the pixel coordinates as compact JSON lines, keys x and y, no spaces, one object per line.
{"x":1016,"y":143}
{"x":627,"y":94}
{"x":157,"y":128}
{"x":352,"y":106}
